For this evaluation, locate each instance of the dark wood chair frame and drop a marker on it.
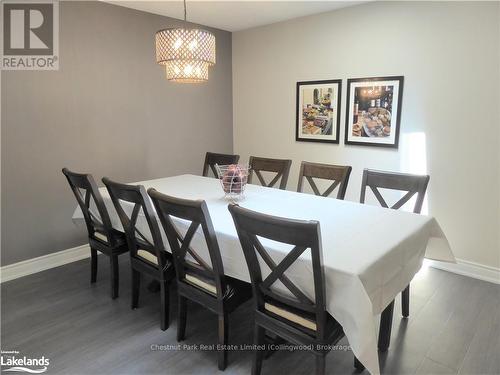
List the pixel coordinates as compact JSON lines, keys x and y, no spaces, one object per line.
{"x":412,"y":184}
{"x":196,"y":212}
{"x":163,"y":272}
{"x":212,"y":158}
{"x":85,"y":190}
{"x":302,"y":235}
{"x":280,"y":166}
{"x":336,"y":173}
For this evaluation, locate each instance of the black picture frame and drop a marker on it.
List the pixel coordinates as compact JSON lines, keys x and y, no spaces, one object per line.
{"x":298,"y":122}
{"x":397,"y":124}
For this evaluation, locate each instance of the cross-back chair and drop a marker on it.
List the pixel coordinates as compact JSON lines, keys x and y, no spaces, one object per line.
{"x":212,"y":158}
{"x":102,"y":236}
{"x":413,"y":185}
{"x":336,"y":173}
{"x":199,"y":280}
{"x":295,"y":317}
{"x":279,"y":166}
{"x":147,"y":253}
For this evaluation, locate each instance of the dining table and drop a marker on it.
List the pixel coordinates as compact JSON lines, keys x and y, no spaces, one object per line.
{"x":370,"y":253}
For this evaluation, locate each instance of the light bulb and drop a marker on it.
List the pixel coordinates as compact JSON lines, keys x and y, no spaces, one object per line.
{"x":178,"y":43}
{"x":188,"y":69}
{"x":193,"y":44}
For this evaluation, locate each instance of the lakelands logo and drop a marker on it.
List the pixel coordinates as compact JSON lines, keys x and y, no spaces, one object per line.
{"x":30,"y":35}
{"x":12,"y":361}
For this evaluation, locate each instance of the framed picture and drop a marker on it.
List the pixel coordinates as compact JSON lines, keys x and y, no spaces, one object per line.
{"x":318,"y":111}
{"x":373,"y":111}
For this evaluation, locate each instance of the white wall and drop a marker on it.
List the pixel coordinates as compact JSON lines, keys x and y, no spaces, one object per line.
{"x":450,"y":125}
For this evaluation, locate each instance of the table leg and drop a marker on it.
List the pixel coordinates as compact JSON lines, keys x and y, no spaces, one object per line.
{"x":384,"y":334}
{"x":405,"y":302}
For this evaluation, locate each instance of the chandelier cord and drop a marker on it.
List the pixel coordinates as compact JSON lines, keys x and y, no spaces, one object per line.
{"x":185,"y":12}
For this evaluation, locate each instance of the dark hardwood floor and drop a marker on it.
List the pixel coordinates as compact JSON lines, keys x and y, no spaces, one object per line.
{"x":453,"y":328}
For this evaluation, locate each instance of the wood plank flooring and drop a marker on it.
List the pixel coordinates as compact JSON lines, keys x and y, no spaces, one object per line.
{"x":453,"y":328}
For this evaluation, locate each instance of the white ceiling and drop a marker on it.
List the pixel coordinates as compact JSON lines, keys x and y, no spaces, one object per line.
{"x":236,"y":15}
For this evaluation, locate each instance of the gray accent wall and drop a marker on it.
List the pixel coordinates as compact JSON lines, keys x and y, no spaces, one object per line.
{"x":108,"y":111}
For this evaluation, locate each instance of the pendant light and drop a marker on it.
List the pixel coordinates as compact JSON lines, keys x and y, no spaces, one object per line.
{"x":185,"y":52}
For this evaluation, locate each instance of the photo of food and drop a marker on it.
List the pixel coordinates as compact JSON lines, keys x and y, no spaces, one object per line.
{"x":318,"y":105}
{"x":317,"y":111}
{"x":373,"y":111}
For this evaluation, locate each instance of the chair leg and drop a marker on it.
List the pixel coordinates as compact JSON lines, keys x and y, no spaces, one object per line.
{"x":113,"y":259}
{"x":223,"y":333}
{"x":358,"y":365}
{"x":258,"y":339}
{"x":384,"y":335}
{"x":405,"y":302}
{"x":136,"y":283}
{"x":320,"y":364}
{"x":93,"y":265}
{"x":181,"y":324}
{"x":164,"y":309}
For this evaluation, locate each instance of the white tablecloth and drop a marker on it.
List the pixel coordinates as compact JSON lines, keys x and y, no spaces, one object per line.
{"x":370,"y":254}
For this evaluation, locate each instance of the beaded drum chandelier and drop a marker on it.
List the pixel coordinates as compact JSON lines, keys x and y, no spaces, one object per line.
{"x":186,"y":53}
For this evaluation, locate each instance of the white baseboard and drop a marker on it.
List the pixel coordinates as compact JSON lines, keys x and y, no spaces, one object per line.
{"x":30,"y":266}
{"x":471,"y":269}
{"x":45,"y":262}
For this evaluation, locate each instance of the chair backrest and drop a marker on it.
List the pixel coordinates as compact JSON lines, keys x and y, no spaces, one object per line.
{"x":302,"y":235}
{"x":212,"y":158}
{"x":85,"y":190}
{"x":412,"y":184}
{"x":196,"y":213}
{"x":279,"y":166}
{"x":138,"y":200}
{"x":337,"y":173}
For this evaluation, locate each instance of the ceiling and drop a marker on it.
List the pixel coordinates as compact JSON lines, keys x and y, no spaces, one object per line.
{"x":236,"y":15}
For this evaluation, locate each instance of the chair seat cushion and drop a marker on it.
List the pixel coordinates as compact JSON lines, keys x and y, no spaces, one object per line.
{"x":144,"y":254}
{"x":301,"y":320}
{"x":118,"y":236}
{"x":101,"y":236}
{"x":288,"y":315}
{"x":236,"y":292}
{"x":201,"y":283}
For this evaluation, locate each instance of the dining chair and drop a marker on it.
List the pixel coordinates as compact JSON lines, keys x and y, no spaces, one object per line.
{"x":288,"y":313}
{"x":211,"y":159}
{"x":200,"y":278}
{"x":279,"y":166}
{"x":413,"y":185}
{"x":148,"y":255}
{"x":339,"y":174}
{"x":102,"y":236}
